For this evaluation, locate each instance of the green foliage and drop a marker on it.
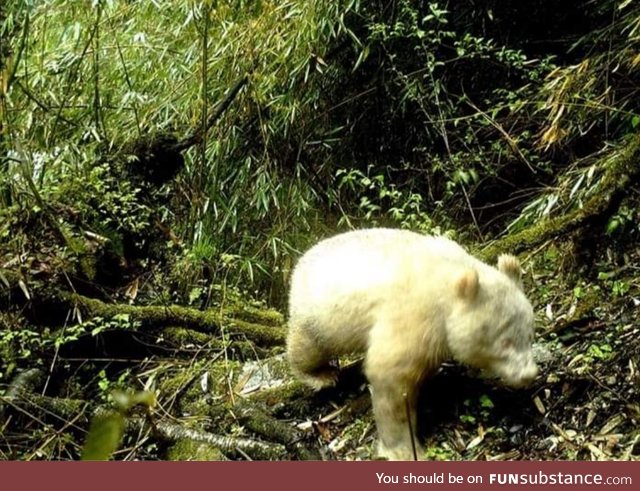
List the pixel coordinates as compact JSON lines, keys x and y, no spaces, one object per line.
{"x":599,"y":352}
{"x":618,"y":287}
{"x":570,"y":192}
{"x":17,"y":345}
{"x":107,"y":428}
{"x":415,"y":114}
{"x":442,"y":123}
{"x":480,"y":409}
{"x":625,"y":220}
{"x":486,"y":402}
{"x":440,"y":452}
{"x":598,"y":94}
{"x":98,"y":325}
{"x":468,"y":418}
{"x":20,"y":344}
{"x":382,"y":203}
{"x":70,"y":178}
{"x":104,"y":437}
{"x":104,"y":75}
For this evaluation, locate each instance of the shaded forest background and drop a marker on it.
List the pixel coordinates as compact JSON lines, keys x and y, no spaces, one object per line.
{"x":164,"y":164}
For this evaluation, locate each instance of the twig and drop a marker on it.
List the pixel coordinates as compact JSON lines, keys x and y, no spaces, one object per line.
{"x":408,"y":413}
{"x":512,"y":143}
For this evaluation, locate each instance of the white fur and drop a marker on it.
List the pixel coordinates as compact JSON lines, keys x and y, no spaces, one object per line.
{"x":409,"y":302}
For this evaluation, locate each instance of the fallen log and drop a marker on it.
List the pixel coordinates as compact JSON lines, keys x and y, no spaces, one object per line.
{"x":620,"y":171}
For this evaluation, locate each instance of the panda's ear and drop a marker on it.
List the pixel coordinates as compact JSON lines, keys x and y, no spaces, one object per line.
{"x":468,"y":284}
{"x":510,"y":266}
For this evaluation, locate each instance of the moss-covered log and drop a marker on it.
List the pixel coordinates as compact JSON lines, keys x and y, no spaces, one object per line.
{"x":620,"y":172}
{"x":273,"y":429}
{"x":58,"y":411}
{"x":239,"y":447}
{"x":64,"y":411}
{"x":216,"y":322}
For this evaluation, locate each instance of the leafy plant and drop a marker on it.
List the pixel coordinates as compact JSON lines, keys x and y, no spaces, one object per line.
{"x":599,"y":352}
{"x":618,"y":287}
{"x":107,"y":427}
{"x":482,"y":406}
{"x":384,"y":204}
{"x":587,"y":96}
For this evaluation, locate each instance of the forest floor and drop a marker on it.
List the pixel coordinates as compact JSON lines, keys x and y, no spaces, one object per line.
{"x":584,"y":405}
{"x":222,"y":388}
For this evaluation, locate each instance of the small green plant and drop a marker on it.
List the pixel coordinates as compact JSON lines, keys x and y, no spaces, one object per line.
{"x":98,"y":324}
{"x":482,"y":406}
{"x":17,"y":345}
{"x":105,"y":200}
{"x":22,"y":342}
{"x":104,"y":384}
{"x":108,"y":387}
{"x":618,"y":287}
{"x":440,"y":452}
{"x":486,"y":402}
{"x":620,"y":222}
{"x":468,"y":418}
{"x":382,"y":203}
{"x":599,"y":351}
{"x":107,"y":428}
